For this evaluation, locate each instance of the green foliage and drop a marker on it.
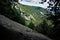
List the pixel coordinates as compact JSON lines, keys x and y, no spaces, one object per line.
{"x":37,"y":21}
{"x":40,"y":23}
{"x":34,"y":12}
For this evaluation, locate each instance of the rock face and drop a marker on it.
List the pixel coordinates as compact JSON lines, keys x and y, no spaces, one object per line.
{"x":10,"y":30}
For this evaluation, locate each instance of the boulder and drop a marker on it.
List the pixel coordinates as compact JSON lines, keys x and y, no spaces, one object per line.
{"x":11,"y":30}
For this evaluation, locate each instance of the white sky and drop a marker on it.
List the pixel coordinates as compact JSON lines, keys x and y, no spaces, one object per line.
{"x":34,"y":3}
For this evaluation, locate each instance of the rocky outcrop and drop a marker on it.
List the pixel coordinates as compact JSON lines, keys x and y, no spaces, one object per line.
{"x":10,"y":30}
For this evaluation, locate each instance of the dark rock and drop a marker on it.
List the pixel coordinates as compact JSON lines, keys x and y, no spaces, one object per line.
{"x":10,"y":30}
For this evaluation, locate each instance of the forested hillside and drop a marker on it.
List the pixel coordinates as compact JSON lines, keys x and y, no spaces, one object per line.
{"x":38,"y":19}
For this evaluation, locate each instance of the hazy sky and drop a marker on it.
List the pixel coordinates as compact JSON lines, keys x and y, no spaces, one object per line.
{"x":34,"y":3}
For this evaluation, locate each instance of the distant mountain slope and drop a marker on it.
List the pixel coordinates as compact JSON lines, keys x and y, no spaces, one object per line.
{"x":36,"y":15}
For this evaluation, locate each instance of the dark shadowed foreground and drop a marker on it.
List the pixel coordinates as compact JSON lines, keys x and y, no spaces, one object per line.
{"x":10,"y":30}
